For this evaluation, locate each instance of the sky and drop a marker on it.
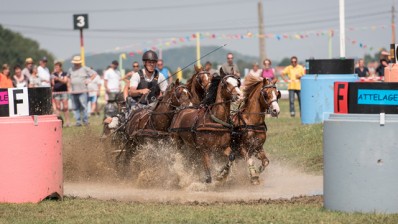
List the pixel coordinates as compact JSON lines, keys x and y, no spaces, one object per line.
{"x":293,"y":27}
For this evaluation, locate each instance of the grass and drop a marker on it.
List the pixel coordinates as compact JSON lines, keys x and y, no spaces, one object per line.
{"x":288,"y":141}
{"x":73,"y":210}
{"x":291,"y":142}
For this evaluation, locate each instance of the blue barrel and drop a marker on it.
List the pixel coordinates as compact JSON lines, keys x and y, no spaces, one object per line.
{"x":317,"y":95}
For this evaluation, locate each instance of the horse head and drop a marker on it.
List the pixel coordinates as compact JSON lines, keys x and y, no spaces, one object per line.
{"x":181,"y":96}
{"x":231,"y":84}
{"x":271,"y":95}
{"x":202,"y":77}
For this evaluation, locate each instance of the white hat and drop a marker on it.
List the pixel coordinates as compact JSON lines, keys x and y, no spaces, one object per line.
{"x":76,"y":60}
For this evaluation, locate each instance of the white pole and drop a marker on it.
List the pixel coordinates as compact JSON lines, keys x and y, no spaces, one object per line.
{"x":342,"y":29}
{"x":198,"y":49}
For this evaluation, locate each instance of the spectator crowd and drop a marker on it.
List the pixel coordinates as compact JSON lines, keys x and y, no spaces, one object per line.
{"x":80,"y":86}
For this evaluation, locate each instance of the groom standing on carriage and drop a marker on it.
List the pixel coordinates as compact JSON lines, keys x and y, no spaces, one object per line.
{"x":147,"y":84}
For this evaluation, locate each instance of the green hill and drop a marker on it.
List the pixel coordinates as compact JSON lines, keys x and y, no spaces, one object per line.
{"x":173,"y":58}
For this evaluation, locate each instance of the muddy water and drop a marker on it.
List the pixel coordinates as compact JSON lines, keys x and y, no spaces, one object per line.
{"x":160,"y":173}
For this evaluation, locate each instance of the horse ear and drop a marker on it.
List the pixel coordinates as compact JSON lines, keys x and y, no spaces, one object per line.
{"x":177,"y":82}
{"x":222,"y":74}
{"x":197,"y":69}
{"x":265,"y":81}
{"x":274,"y":81}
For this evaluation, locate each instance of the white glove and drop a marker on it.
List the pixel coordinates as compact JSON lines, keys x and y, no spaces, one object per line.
{"x":114,"y":123}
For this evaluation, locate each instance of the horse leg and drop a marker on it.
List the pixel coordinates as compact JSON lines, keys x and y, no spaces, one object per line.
{"x":254,"y":175}
{"x":206,"y":163}
{"x":264,"y":160}
{"x":224,"y":172}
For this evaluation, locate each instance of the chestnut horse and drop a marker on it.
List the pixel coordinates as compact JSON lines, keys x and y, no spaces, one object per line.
{"x":197,"y":85}
{"x":208,"y":129}
{"x":249,"y":134}
{"x":154,"y":123}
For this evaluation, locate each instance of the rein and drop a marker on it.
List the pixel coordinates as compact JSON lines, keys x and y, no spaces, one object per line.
{"x":225,"y":124}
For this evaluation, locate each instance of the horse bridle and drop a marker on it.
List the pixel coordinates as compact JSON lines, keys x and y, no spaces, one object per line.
{"x":198,"y":78}
{"x":268,"y":86}
{"x":224,"y":82}
{"x":176,"y":93}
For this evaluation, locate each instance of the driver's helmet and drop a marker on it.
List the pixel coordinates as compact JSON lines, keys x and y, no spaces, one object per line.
{"x":150,"y":56}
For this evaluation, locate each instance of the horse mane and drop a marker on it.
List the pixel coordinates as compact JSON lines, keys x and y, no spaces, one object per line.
{"x":251,"y":85}
{"x":212,"y":91}
{"x":166,"y":94}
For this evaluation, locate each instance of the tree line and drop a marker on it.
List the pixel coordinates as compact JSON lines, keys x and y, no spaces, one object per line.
{"x":14,"y":49}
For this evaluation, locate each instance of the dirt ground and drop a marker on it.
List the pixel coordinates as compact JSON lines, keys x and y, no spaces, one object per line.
{"x":158,"y":173}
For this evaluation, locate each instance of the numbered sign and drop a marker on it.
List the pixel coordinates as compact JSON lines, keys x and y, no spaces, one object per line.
{"x":80,"y":21}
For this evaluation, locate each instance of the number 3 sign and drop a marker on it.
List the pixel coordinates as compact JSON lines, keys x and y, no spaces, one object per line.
{"x":80,"y":21}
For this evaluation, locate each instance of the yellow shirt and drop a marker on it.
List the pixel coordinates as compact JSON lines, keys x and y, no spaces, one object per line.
{"x":291,"y":72}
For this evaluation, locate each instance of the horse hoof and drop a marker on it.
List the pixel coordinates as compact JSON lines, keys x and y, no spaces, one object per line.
{"x":208,"y":180}
{"x":255,"y":181}
{"x":220,"y":178}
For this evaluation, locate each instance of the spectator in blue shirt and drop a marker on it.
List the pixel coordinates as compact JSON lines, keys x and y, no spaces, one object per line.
{"x":164,"y":71}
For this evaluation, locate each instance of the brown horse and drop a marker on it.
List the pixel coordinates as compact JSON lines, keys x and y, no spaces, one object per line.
{"x":249,"y":135}
{"x":146,"y":123}
{"x":207,"y":129}
{"x":197,"y":85}
{"x":155,"y":123}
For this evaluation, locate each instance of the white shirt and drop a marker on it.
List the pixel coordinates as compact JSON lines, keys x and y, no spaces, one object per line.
{"x":44,"y":74}
{"x":113,"y":77}
{"x":135,"y":80}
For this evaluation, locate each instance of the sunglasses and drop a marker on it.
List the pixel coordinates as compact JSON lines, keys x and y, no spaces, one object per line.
{"x":230,"y":58}
{"x":294,"y":61}
{"x":135,"y":66}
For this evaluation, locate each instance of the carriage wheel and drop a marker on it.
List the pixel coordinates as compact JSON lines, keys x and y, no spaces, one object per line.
{"x":122,"y":161}
{"x":118,"y":154}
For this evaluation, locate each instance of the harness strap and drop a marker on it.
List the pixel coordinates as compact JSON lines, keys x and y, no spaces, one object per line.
{"x":180,"y":129}
{"x":257,"y":127}
{"x":159,"y":113}
{"x":149,"y":133}
{"x":225,"y":124}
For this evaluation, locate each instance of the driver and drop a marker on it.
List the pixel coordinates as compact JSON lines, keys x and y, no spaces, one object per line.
{"x":147,"y":84}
